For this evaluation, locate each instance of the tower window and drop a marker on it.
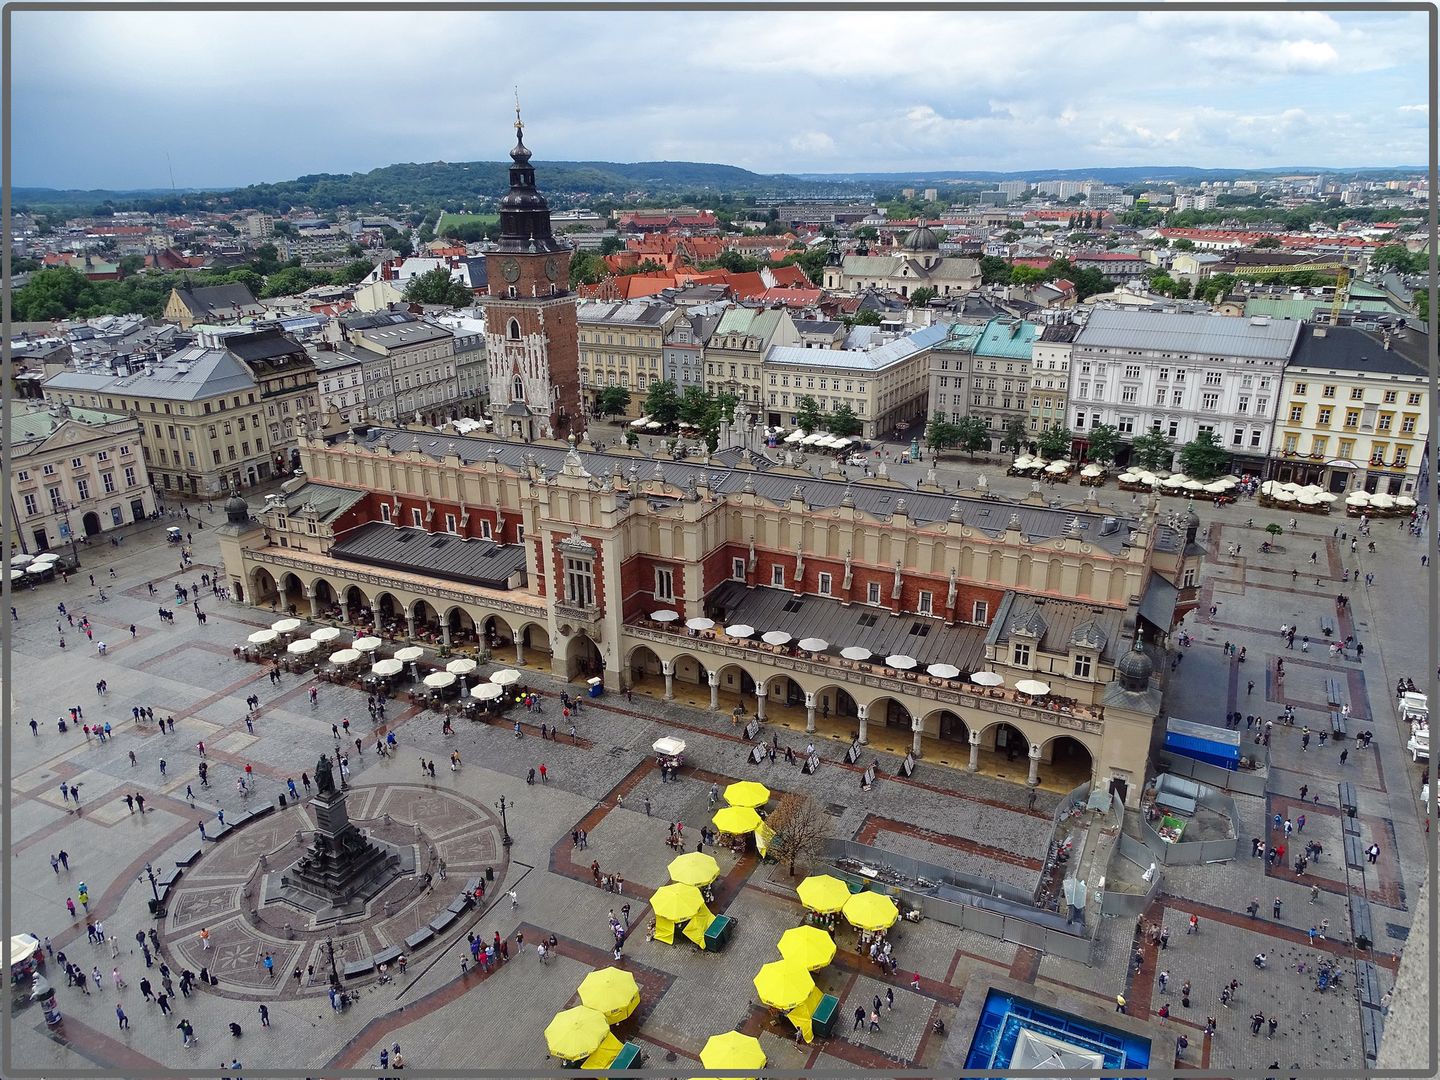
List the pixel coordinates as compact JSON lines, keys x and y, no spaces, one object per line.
{"x":519,"y":389}
{"x":513,"y":332}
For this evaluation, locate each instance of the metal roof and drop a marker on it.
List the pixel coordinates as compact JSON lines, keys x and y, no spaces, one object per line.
{"x":1206,"y":335}
{"x":1064,"y":623}
{"x":1350,"y":349}
{"x":191,"y":374}
{"x":327,"y":500}
{"x":986,"y":515}
{"x":877,"y":359}
{"x":440,"y":555}
{"x":1007,"y":338}
{"x":928,"y":639}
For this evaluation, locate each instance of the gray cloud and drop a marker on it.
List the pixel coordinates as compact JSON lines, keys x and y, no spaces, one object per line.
{"x":98,"y":99}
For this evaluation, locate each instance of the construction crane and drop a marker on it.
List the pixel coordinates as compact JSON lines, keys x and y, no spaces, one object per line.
{"x":1339,"y":269}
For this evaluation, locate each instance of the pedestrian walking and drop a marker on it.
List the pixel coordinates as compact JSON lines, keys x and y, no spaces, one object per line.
{"x":1276,"y":907}
{"x":121,"y":1018}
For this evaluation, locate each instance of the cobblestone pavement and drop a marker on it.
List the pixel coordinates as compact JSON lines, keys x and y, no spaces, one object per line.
{"x":975,"y":823}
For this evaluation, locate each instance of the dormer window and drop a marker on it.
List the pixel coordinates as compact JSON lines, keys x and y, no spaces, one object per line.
{"x":1083,"y":666}
{"x":513,"y":330}
{"x":1020,"y":654}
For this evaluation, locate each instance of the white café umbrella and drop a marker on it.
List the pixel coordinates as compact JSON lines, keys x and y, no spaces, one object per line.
{"x":262,"y":637}
{"x":285,"y":626}
{"x":654,"y":425}
{"x":814,"y":644}
{"x":739,"y":630}
{"x":1284,"y":495}
{"x":505,"y":677}
{"x":387,"y":668}
{"x":487,"y":691}
{"x":463,"y":666}
{"x":22,"y":560}
{"x":775,"y":637}
{"x":38,"y":568}
{"x":1357,"y":498}
{"x":439,"y":680}
{"x":1176,"y":481}
{"x":944,"y":671}
{"x":1091,"y":470}
{"x":303,"y":646}
{"x":344,"y":656}
{"x":795,"y":436}
{"x":1217,"y":488}
{"x":1033,"y":687}
{"x":855,"y":652}
{"x":987,"y":678}
{"x":325,"y":633}
{"x":1056,"y":467}
{"x":1129,"y":478}
{"x":664,"y":616}
{"x":641,"y":422}
{"x":48,"y":557}
{"x":1193,"y":485}
{"x":1330,"y":497}
{"x":1024,"y":461}
{"x":700,"y":624}
{"x":1383,"y":501}
{"x":901,"y":662}
{"x":366,"y":644}
{"x":1400,"y":500}
{"x":409,"y":653}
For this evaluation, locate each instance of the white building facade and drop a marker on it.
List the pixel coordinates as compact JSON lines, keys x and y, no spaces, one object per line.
{"x":1182,"y":374}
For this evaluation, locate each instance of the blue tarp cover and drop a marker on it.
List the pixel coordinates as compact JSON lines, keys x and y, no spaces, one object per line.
{"x":1212,"y":753}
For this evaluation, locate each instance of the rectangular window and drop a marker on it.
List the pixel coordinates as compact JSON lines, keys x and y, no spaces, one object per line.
{"x":1021,"y":654}
{"x":1301,"y":389}
{"x":1132,"y":371}
{"x":1237,"y":437}
{"x":1357,"y":393}
{"x":926,"y":603}
{"x":872,"y":593}
{"x":1081,"y":669}
{"x":55,"y":501}
{"x":1412,"y":399}
{"x":82,"y":488}
{"x":664,"y":584}
{"x":417,"y":518}
{"x":1176,"y":398}
{"x":823,"y":584}
{"x":737,"y":569}
{"x":1210,"y":401}
{"x":32,"y":506}
{"x":1212,"y":378}
{"x":980,"y":612}
{"x":1386,"y":419}
{"x":450,"y":523}
{"x":129,"y":476}
{"x":777,"y":575}
{"x":1297,"y":412}
{"x":107,"y":481}
{"x":486,"y":532}
{"x":1352,"y":418}
{"x":1407,"y":425}
{"x":384,"y":511}
{"x":1327,"y":391}
{"x":1318,"y":443}
{"x":1322,"y":417}
{"x":1242,"y":405}
{"x":580,"y":582}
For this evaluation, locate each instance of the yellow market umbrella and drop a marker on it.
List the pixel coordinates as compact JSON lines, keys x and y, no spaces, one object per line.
{"x":576,"y":1033}
{"x":747,"y":793}
{"x":871,"y":911}
{"x":694,"y":868}
{"x":823,"y":893}
{"x":732,"y":1050}
{"x":736,"y":819}
{"x":611,"y":991}
{"x":676,"y":901}
{"x":809,"y":946}
{"x":783,"y":984}
{"x":605,"y":1054}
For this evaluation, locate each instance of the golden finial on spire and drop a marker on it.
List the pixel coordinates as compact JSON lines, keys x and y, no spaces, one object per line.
{"x":518,"y":124}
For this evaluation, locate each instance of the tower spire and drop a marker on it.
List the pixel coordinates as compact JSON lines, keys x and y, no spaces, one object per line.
{"x":519,"y":124}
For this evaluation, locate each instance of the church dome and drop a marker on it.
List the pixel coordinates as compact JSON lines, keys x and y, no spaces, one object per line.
{"x":1134,"y":670}
{"x":923,"y":238}
{"x":237,"y":510}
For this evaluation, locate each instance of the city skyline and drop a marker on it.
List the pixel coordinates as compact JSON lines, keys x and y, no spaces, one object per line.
{"x":1232,"y":90}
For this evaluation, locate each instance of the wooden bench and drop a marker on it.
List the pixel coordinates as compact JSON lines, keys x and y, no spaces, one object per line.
{"x":188,"y":860}
{"x":420,"y":937}
{"x":1362,"y":931}
{"x":1337,"y":724}
{"x":1334,"y":693}
{"x":359,"y":967}
{"x":443,"y":920}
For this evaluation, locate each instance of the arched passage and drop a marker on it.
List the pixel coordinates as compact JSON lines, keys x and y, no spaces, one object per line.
{"x":325,"y":598}
{"x":1065,"y":762}
{"x":91,"y":522}
{"x":262,"y":588}
{"x":1006,"y":740}
{"x":389,"y":615}
{"x":293,"y":595}
{"x":644,"y":671}
{"x":947,"y":726}
{"x":534,"y":645}
{"x":461,"y":627}
{"x":835,"y":701}
{"x":583,"y":658}
{"x":427,"y":621}
{"x":498,"y":634}
{"x":356,"y":604}
{"x":887,"y":712}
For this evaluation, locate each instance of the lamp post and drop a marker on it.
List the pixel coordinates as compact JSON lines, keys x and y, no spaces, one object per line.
{"x":504,"y":827}
{"x":155,"y":891}
{"x":67,"y":532}
{"x":330,"y":953}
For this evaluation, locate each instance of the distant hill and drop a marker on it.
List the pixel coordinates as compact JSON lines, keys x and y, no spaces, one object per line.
{"x":445,"y":183}
{"x":1122,"y":174}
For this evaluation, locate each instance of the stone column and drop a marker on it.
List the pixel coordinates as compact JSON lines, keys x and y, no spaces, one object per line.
{"x":809,"y":711}
{"x":519,"y":650}
{"x":761,"y":690}
{"x":917,"y":729}
{"x":1034,"y":778}
{"x":668,"y":668}
{"x":314,"y":603}
{"x":410,"y":624}
{"x":713,"y":678}
{"x":974,"y":764}
{"x":445,"y":632}
{"x":862,"y":712}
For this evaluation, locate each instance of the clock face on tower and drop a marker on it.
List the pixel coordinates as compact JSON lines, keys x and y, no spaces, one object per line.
{"x":552,"y":268}
{"x":511,"y":269}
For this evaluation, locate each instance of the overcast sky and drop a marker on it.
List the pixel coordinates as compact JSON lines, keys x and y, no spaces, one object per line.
{"x":100,"y":99}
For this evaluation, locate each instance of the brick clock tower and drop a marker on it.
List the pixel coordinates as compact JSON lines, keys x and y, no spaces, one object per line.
{"x":531,"y":326}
